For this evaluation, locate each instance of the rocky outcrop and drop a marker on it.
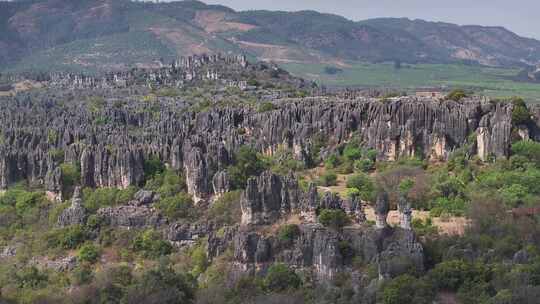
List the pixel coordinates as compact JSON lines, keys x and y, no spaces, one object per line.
{"x":267,"y":197}
{"x":270,"y":197}
{"x":382,"y":207}
{"x":182,"y":234}
{"x":133,"y":215}
{"x":405,"y":213}
{"x":325,"y":252}
{"x":221,"y":183}
{"x":74,"y":215}
{"x":53,"y":184}
{"x":112,"y":152}
{"x":145,"y":197}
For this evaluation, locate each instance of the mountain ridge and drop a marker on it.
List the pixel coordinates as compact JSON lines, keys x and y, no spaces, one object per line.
{"x":111,"y":35}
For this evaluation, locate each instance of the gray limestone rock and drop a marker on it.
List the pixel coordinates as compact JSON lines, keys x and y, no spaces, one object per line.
{"x":75,"y":214}
{"x":382,"y":207}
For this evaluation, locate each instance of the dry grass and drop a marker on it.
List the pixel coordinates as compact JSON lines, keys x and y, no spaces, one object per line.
{"x":293,"y":219}
{"x":215,"y":22}
{"x":447,"y":225}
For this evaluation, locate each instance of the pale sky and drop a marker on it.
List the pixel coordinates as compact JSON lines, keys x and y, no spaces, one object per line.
{"x":520,"y":16}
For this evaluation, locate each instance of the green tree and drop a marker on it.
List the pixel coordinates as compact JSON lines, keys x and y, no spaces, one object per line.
{"x":457,"y":95}
{"x":280,"y":278}
{"x":406,"y":289}
{"x":335,"y":218}
{"x":151,"y":245}
{"x":328,"y":179}
{"x":364,"y":184}
{"x":288,"y":233}
{"x":176,"y":207}
{"x":161,"y":285}
{"x":520,"y":113}
{"x":88,"y":253}
{"x":247,"y":164}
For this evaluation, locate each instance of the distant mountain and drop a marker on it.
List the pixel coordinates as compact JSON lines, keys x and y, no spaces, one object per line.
{"x":114,"y":34}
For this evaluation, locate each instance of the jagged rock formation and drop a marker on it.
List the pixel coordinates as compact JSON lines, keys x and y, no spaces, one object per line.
{"x":270,"y":197}
{"x":382,"y":207}
{"x":136,"y":214}
{"x":74,"y":215}
{"x":267,"y":197}
{"x":112,"y":153}
{"x":221,"y":183}
{"x":322,"y":251}
{"x":183,"y":70}
{"x":405,"y":213}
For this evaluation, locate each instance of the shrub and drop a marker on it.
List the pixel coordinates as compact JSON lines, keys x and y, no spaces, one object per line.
{"x":281,"y":278}
{"x":288,"y":233}
{"x":176,"y":207}
{"x":328,"y":179}
{"x":152,"y":167}
{"x":21,"y":200}
{"x":406,"y":289}
{"x":520,"y":112}
{"x":199,"y":260}
{"x":88,"y":253}
{"x":513,"y":195}
{"x":364,"y":184}
{"x":151,"y":245}
{"x":166,"y":183}
{"x":71,"y":175}
{"x":266,"y":107}
{"x":93,"y":199}
{"x":335,"y":218}
{"x":332,"y":162}
{"x":226,"y":210}
{"x":352,"y":152}
{"x":451,"y":275}
{"x":161,"y":285}
{"x":346,"y":249}
{"x":30,"y":277}
{"x":448,"y":206}
{"x":247,"y":164}
{"x":364,"y":165}
{"x":527,"y":149}
{"x":66,"y":238}
{"x":456,"y":95}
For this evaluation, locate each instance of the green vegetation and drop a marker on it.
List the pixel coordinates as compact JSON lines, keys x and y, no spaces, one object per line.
{"x":150,"y":244}
{"x":334,"y":218}
{"x":287,"y":233}
{"x":328,"y":179}
{"x":265,"y":107}
{"x":363,"y":184}
{"x":179,"y":206}
{"x":226,"y":210}
{"x":406,"y":289}
{"x":457,"y":95}
{"x":281,"y":278}
{"x":88,"y":253}
{"x":93,"y":199}
{"x":495,"y":82}
{"x":247,"y":163}
{"x":520,"y":113}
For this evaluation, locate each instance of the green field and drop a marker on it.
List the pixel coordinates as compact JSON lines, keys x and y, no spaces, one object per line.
{"x":483,"y":80}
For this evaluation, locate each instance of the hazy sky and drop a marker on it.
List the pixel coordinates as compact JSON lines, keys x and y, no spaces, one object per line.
{"x":520,"y":16}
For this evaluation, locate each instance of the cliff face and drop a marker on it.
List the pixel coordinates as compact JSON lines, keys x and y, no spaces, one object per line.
{"x":112,"y":144}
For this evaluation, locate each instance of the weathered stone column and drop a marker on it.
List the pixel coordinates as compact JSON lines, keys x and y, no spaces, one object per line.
{"x":405,"y":212}
{"x":381,"y":210}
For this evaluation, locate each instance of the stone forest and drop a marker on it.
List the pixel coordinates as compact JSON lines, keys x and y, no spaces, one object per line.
{"x":217,"y":180}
